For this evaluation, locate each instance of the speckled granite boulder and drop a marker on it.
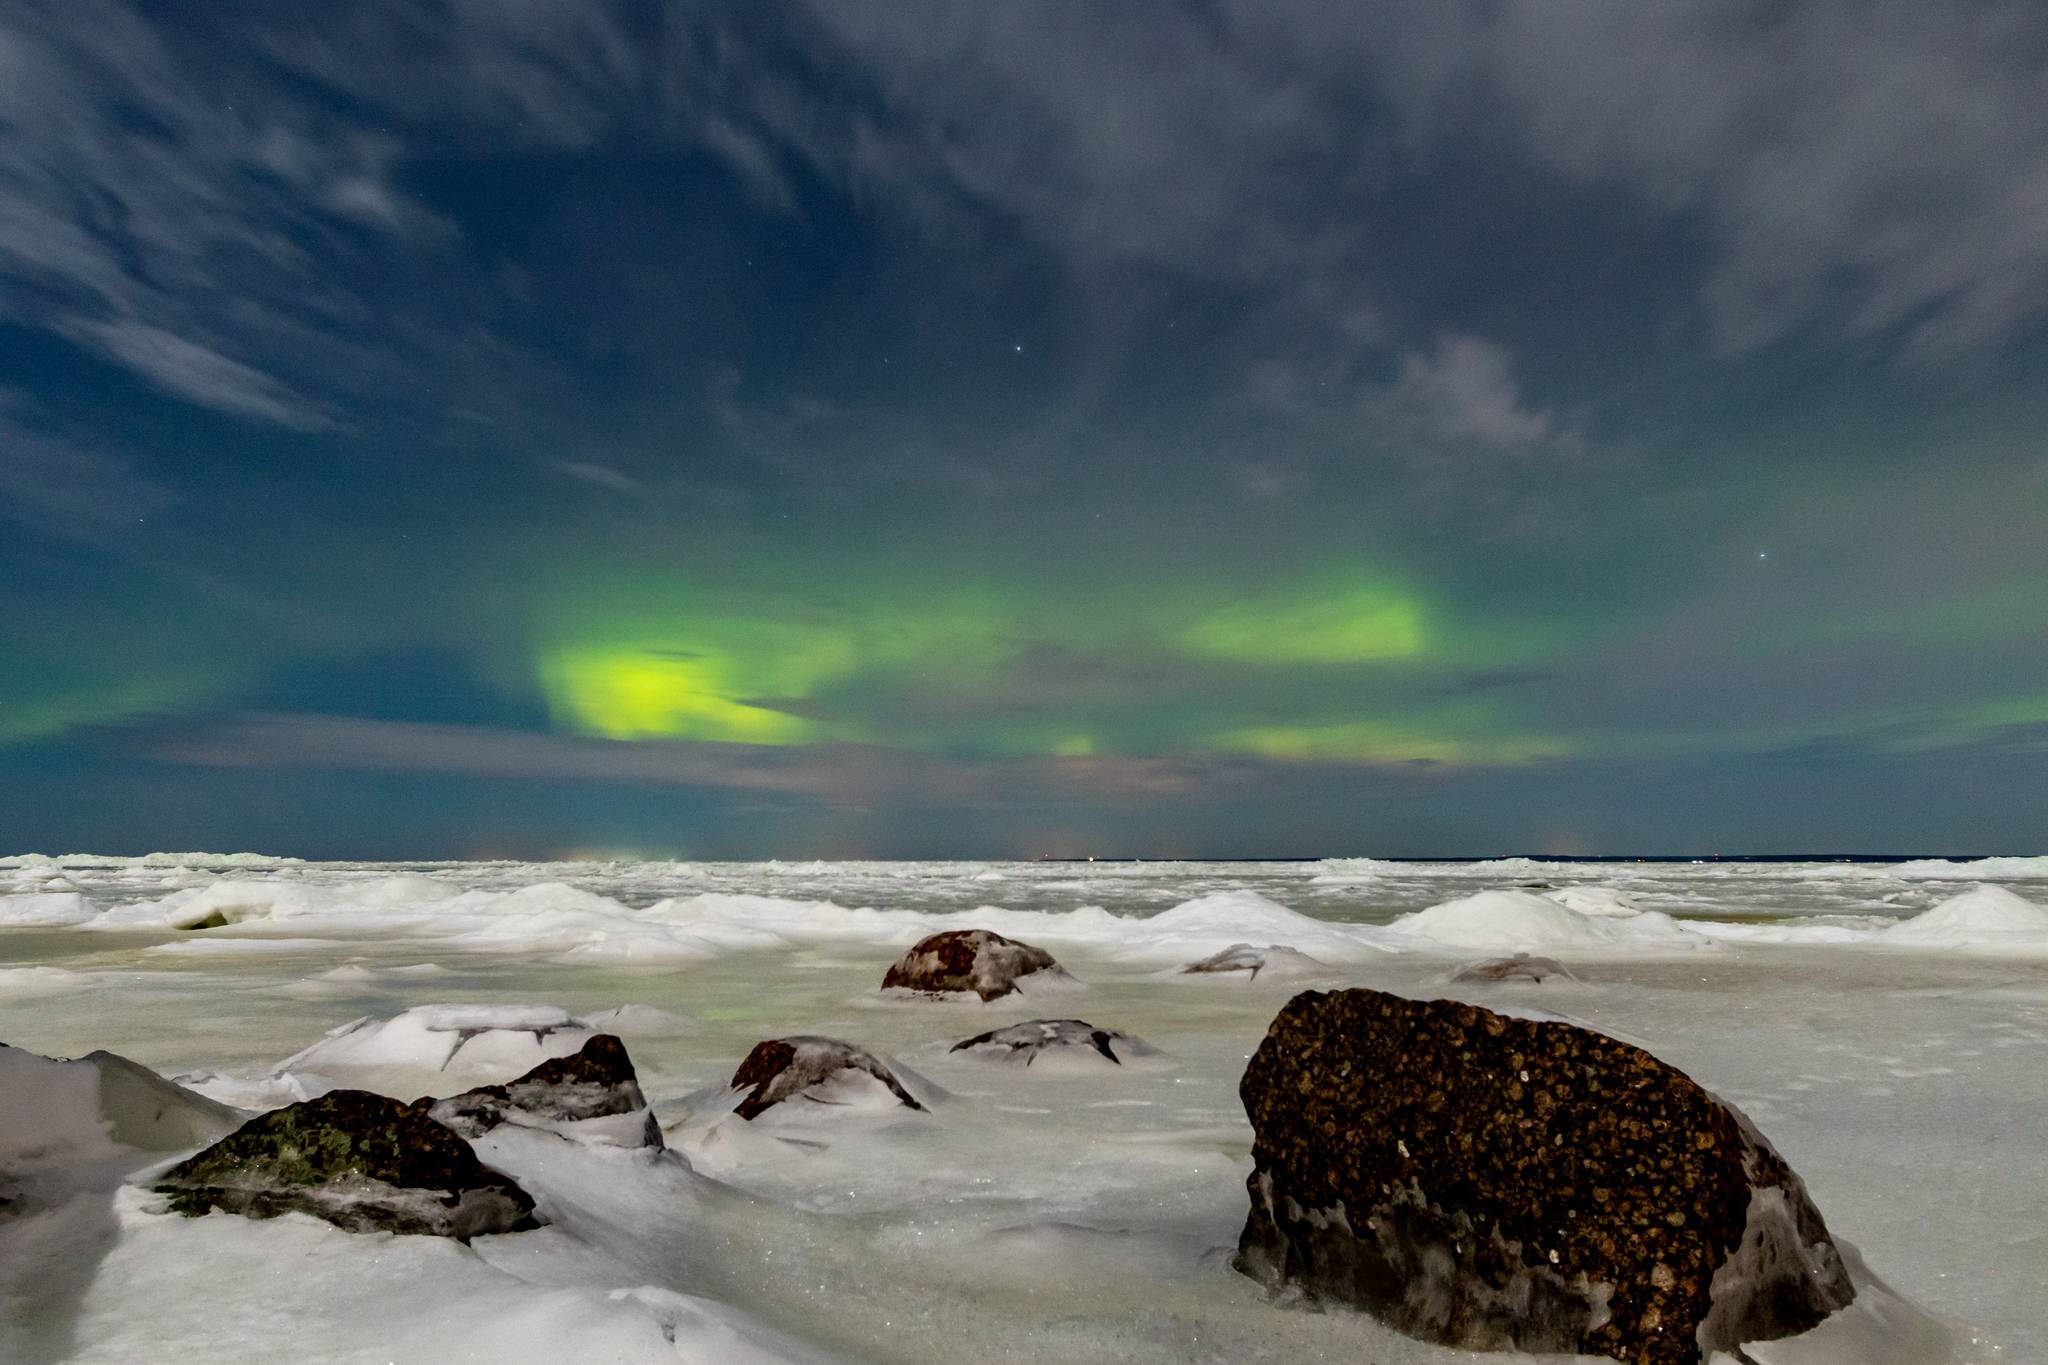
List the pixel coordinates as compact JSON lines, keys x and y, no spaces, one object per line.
{"x":363,"y":1162}
{"x":822,"y":1070}
{"x":963,"y":960}
{"x":593,"y":1096}
{"x":1497,"y":1184}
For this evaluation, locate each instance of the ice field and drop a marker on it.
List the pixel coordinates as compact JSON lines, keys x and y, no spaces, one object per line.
{"x":1886,"y":1025}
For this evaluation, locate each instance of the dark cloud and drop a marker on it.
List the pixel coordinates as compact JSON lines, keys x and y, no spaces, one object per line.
{"x":952,"y":372}
{"x":833,"y":773}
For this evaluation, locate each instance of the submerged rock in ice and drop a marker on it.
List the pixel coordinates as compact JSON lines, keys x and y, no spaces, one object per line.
{"x":362,"y":1162}
{"x":1274,"y":959}
{"x":1493,"y":1184}
{"x":980,"y":961}
{"x":1984,"y":916}
{"x":1520,"y":967}
{"x":440,"y":1048}
{"x":593,"y":1096}
{"x":1028,"y":1041}
{"x":1595,"y":900}
{"x":819,"y":1071}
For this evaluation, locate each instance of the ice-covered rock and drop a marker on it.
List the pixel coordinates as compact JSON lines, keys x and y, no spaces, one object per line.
{"x":440,"y":1049}
{"x":1520,"y":967}
{"x":1490,"y":1183}
{"x":980,"y":961}
{"x":1983,"y":916}
{"x":362,"y":1162}
{"x":590,"y":1097}
{"x":1029,"y":1041}
{"x":818,"y":1071}
{"x":1275,"y":960}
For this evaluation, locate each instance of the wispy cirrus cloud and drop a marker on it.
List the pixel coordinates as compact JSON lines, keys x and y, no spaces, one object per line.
{"x":1864,"y":165}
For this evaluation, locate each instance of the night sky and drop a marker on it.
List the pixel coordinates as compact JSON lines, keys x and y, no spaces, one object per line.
{"x":901,"y":429}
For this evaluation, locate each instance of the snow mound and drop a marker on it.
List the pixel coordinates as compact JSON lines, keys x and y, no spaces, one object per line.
{"x":1208,"y":925}
{"x":60,"y":1112}
{"x":1511,"y":921}
{"x":1595,"y":900}
{"x":44,"y":909}
{"x":1984,"y":916}
{"x":436,"y":1049}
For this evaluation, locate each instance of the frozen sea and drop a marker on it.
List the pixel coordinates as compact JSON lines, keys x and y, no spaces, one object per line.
{"x":1886,"y":1025}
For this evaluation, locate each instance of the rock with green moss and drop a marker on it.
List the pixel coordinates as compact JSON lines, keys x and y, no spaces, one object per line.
{"x":362,"y":1162}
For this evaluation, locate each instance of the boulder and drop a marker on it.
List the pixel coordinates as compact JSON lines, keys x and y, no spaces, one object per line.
{"x":363,"y":1162}
{"x":1499,"y":1184}
{"x":820,"y":1070}
{"x":962,"y":960}
{"x":1520,"y":967}
{"x":1026,"y":1041}
{"x":593,"y":1096}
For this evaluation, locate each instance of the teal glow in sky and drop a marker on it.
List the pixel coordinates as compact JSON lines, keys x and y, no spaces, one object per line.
{"x":916,"y":430}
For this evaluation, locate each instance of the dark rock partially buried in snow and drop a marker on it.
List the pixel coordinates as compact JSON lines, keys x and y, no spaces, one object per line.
{"x":1028,"y":1040}
{"x":363,"y":1162}
{"x":593,"y":1096}
{"x":962,"y":960}
{"x":1499,"y":1184}
{"x":1520,"y":967}
{"x":815,"y":1069}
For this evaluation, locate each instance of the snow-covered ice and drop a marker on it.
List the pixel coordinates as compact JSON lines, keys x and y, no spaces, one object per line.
{"x":1885,"y":1024}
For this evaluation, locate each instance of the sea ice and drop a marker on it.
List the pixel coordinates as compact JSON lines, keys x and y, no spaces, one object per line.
{"x":1080,"y":1214}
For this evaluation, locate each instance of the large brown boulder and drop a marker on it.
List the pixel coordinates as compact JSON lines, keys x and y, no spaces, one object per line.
{"x":593,"y":1095}
{"x":361,"y":1161}
{"x":1500,"y":1184}
{"x":959,"y":961}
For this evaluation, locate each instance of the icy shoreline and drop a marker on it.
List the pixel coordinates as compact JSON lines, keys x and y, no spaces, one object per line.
{"x":1045,"y":1212}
